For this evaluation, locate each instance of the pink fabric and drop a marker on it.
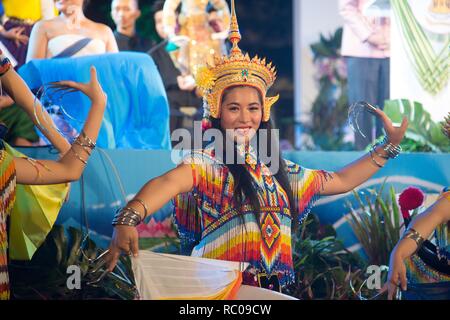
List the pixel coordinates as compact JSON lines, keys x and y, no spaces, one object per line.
{"x":358,"y":28}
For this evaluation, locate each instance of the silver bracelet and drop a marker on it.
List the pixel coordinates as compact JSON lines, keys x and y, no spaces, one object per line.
{"x":142,"y":204}
{"x":376,"y":145}
{"x":127,"y":217}
{"x":392,"y":150}
{"x":375,"y":161}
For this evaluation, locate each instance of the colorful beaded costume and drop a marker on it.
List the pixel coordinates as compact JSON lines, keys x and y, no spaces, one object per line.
{"x":209,"y":221}
{"x":7,"y":194}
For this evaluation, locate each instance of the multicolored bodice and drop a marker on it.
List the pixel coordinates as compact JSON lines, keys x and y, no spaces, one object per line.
{"x":208,"y":218}
{"x":7,"y":198}
{"x":442,"y":233}
{"x":7,"y":182}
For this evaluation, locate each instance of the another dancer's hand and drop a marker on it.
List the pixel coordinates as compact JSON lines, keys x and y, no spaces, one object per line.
{"x":92,"y":89}
{"x":396,"y":276}
{"x":395,"y":134}
{"x":6,"y":102}
{"x":125,"y":240}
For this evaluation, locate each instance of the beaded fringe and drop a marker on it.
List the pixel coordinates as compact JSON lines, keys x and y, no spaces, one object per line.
{"x":7,"y":198}
{"x":419,"y":272}
{"x":306,"y":186}
{"x":188,"y":217}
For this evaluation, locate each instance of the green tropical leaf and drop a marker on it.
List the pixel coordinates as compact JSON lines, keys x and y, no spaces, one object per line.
{"x":421,"y":129}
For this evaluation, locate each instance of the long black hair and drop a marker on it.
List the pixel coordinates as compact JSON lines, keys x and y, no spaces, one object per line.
{"x":243,"y":185}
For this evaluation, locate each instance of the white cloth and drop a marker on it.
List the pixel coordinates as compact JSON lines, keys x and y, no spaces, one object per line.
{"x":164,"y":276}
{"x":256,"y":294}
{"x":59,"y":43}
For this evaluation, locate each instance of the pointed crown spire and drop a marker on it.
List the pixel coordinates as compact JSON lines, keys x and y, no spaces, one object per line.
{"x":235,"y":35}
{"x":234,"y":70}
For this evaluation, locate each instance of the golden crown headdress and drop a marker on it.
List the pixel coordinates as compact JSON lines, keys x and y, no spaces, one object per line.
{"x":234,"y":70}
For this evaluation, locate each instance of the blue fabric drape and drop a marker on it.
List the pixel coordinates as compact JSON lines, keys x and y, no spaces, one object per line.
{"x":137,"y":114}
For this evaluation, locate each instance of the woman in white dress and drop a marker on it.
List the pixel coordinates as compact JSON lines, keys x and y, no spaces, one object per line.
{"x":70,"y":34}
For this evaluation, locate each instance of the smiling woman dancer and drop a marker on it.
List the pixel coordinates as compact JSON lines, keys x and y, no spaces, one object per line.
{"x":242,"y":212}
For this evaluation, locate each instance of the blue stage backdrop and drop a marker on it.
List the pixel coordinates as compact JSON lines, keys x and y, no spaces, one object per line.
{"x":114,"y":175}
{"x":137,"y":113}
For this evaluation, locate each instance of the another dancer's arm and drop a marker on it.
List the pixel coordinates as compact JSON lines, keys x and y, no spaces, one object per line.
{"x":361,"y":170}
{"x":152,"y":197}
{"x":71,"y":165}
{"x":18,"y":90}
{"x":424,"y":225}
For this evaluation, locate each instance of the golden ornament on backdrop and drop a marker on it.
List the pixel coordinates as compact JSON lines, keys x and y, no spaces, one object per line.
{"x":235,"y":70}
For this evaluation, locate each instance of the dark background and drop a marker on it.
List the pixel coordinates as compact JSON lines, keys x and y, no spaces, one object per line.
{"x":266,"y":28}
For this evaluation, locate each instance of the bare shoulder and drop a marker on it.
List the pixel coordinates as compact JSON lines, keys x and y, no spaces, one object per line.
{"x":43,"y":25}
{"x":101,"y":27}
{"x":47,"y":27}
{"x":102,"y":31}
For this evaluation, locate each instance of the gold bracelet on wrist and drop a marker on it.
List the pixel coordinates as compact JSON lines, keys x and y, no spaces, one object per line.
{"x":78,"y":156}
{"x":415,"y":236}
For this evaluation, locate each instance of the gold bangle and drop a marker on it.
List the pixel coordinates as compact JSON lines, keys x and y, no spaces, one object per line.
{"x":85,"y":147}
{"x":35,"y":163}
{"x":78,"y":156}
{"x":415,"y":236}
{"x":87,"y":139}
